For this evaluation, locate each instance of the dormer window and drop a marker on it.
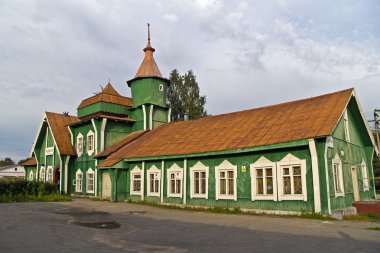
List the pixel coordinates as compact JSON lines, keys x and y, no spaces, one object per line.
{"x":90,"y":143}
{"x":80,"y":144}
{"x":161,"y":87}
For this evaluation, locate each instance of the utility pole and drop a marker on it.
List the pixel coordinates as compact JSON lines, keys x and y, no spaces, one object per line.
{"x":376,"y":120}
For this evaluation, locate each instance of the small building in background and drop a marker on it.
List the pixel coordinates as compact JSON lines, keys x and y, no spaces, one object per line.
{"x":12,"y":171}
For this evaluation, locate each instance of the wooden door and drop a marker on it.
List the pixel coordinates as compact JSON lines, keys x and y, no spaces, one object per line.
{"x":355,"y":184}
{"x":106,"y":186}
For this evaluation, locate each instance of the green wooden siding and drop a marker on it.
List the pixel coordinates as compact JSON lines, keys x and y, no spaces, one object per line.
{"x":146,"y":91}
{"x":102,"y":107}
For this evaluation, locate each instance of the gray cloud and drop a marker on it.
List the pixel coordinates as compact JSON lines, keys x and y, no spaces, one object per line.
{"x":245,"y":54}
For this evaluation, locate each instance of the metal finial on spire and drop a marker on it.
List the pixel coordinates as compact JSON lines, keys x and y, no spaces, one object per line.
{"x":148,"y":31}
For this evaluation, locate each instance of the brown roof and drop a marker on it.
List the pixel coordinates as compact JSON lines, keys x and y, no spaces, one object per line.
{"x":30,"y":162}
{"x":128,"y":139}
{"x":58,"y":124}
{"x":280,"y":123}
{"x":148,"y":66}
{"x":109,"y":95}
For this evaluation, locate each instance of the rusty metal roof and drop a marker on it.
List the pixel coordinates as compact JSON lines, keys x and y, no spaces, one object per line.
{"x":109,"y":95}
{"x":291,"y":121}
{"x":58,"y":124}
{"x":30,"y":162}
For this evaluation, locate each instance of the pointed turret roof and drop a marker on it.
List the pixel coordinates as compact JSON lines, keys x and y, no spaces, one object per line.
{"x":148,"y":67}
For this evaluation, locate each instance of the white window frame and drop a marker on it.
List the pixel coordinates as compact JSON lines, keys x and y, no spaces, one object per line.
{"x":31,"y":175}
{"x":49,"y":174}
{"x":197,"y":168}
{"x":80,"y":147}
{"x":338,"y":162}
{"x":225,"y":166}
{"x":78,"y":181}
{"x":89,"y":172}
{"x":42,"y":173}
{"x":90,"y":148}
{"x":263,"y":163}
{"x":178,"y":176}
{"x":365,"y":176}
{"x":346,"y":126}
{"x":136,"y":171}
{"x":157,"y":176}
{"x":291,"y":161}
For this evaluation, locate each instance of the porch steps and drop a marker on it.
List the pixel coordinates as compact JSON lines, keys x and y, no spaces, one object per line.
{"x":363,"y":207}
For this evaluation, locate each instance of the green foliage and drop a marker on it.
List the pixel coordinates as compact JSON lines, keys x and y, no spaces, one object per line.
{"x":6,"y":161}
{"x":183,"y":96}
{"x":374,"y":228}
{"x":369,"y":217}
{"x":15,"y":190}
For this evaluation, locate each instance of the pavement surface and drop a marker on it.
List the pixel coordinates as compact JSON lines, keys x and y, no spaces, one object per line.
{"x":95,"y":226}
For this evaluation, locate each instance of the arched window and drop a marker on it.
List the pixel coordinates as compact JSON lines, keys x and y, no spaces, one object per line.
{"x":365,"y":176}
{"x":31,"y":175}
{"x":49,"y":174}
{"x":90,"y":181}
{"x":42,"y":174}
{"x":78,"y":180}
{"x":338,"y":176}
{"x":199,"y":181}
{"x":90,"y":143}
{"x":136,"y":181}
{"x":263,"y":180}
{"x":79,"y":144}
{"x":154,"y":176}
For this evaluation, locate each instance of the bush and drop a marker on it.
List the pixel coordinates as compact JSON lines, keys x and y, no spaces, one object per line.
{"x":22,"y":190}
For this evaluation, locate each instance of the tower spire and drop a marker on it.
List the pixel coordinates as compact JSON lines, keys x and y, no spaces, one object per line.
{"x":148,"y":32}
{"x":148,"y":46}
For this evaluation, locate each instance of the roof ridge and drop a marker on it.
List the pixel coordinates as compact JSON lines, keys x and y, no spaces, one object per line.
{"x":267,"y":106}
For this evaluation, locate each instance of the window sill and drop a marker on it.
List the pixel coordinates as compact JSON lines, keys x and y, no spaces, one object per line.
{"x":228,"y":197}
{"x":263,"y":197}
{"x":153,"y":195}
{"x":90,"y":192}
{"x":337,"y":195}
{"x":292,"y":197}
{"x":174,"y":195}
{"x":136,"y":193}
{"x":199,"y":196}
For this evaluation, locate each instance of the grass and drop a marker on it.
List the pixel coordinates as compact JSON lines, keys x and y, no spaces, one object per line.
{"x":223,"y":210}
{"x":31,"y":198}
{"x":368,"y":217}
{"x":374,"y":228}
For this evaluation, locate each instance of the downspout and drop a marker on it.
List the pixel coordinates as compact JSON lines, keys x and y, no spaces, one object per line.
{"x":373,"y":175}
{"x":104,"y":122}
{"x":142,"y":181}
{"x":184,"y":180}
{"x":151,"y":117}
{"x":327,"y":180}
{"x":96,"y":161}
{"x":144,"y":115}
{"x":315,"y":171}
{"x":67,"y":173}
{"x":162,"y":180}
{"x":169,"y":115}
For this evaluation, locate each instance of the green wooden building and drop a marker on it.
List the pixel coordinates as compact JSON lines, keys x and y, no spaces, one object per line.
{"x":310,"y":155}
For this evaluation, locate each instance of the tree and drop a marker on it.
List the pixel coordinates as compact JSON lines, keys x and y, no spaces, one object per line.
{"x":6,"y":161}
{"x":184,"y":97}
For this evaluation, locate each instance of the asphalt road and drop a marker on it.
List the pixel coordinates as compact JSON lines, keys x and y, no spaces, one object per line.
{"x":122,"y":227}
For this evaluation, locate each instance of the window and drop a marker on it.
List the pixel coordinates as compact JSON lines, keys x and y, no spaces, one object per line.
{"x":80,"y":144}
{"x":154,"y":175}
{"x":199,"y":181}
{"x":78,"y":181}
{"x":365,"y":176}
{"x":31,"y":175}
{"x":346,"y":126}
{"x":90,"y":181}
{"x":225,"y":176}
{"x":49,"y":174}
{"x":291,"y":178}
{"x":136,"y":181}
{"x":90,"y":143}
{"x":161,"y":87}
{"x":263,"y":180}
{"x":338,"y":176}
{"x":42,"y":174}
{"x":174,"y":181}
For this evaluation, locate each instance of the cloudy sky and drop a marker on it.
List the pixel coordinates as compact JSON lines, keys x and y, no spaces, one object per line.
{"x":245,"y":54}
